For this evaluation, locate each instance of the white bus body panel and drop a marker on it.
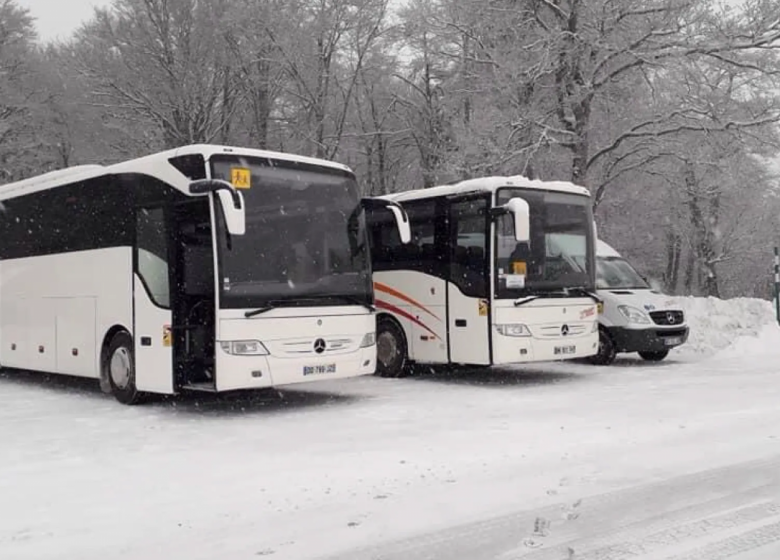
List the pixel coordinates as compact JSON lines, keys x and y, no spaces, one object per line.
{"x":289,"y":335}
{"x":153,"y":362}
{"x":469,"y":330}
{"x":419,"y":302}
{"x":55,"y":310}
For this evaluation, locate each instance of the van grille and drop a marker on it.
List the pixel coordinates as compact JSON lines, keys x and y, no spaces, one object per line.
{"x":667,"y":318}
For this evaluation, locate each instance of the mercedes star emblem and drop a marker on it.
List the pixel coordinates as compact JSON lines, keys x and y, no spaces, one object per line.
{"x":565,"y":330}
{"x":319,"y":346}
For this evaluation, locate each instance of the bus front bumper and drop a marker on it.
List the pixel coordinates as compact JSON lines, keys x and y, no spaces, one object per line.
{"x":512,"y":350}
{"x":255,"y":372}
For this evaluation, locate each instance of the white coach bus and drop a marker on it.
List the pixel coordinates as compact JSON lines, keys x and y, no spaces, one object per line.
{"x":205,"y":267}
{"x":487,"y":278}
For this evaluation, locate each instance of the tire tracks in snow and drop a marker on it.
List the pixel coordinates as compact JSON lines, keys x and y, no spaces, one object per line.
{"x":708,"y":515}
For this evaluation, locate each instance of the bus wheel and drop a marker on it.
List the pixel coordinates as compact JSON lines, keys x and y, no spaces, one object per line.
{"x":120,"y":369}
{"x":391,"y":352}
{"x":606,"y":353}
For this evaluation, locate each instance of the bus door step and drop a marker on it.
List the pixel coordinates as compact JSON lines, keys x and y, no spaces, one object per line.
{"x":204,"y":387}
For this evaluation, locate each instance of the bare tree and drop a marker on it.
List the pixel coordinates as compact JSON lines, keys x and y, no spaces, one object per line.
{"x":163,"y":61}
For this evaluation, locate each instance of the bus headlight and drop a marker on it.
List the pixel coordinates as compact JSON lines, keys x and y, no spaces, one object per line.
{"x":595,"y":327}
{"x":513,"y":330}
{"x":368,"y":340}
{"x":243,"y":347}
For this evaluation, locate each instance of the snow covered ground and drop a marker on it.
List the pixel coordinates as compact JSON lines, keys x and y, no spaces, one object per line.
{"x":678,"y":459}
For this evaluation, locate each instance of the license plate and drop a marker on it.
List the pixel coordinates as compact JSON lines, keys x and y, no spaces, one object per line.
{"x":565,"y":350}
{"x":673,"y":341}
{"x":319,"y":369}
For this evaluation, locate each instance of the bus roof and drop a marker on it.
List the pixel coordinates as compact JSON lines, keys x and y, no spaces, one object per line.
{"x":157,"y":165}
{"x":487,"y":184}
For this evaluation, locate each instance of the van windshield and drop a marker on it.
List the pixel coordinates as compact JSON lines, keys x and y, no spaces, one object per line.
{"x":616,"y":273}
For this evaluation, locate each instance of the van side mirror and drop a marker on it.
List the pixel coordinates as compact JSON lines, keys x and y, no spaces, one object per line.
{"x":398,"y":212}
{"x":231,"y":200}
{"x":521,"y":216}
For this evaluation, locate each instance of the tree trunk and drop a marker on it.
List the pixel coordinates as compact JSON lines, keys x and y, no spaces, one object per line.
{"x":673,"y":249}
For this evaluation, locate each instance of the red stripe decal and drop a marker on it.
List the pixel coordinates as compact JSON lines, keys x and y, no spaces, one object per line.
{"x":398,"y":311}
{"x":393,"y":292}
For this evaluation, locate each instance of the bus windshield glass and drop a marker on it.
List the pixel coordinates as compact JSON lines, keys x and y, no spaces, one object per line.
{"x":305,"y":239}
{"x":559,"y":254}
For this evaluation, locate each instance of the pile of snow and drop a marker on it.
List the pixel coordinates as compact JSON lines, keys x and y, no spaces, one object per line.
{"x":742,"y":325}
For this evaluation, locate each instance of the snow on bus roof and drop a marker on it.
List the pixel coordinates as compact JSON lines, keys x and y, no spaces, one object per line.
{"x":487,"y":184}
{"x":154,"y":164}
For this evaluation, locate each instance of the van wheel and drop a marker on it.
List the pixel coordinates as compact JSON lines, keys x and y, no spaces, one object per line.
{"x":119,"y":365}
{"x":654,"y":356}
{"x":391,"y":350}
{"x":606,"y":353}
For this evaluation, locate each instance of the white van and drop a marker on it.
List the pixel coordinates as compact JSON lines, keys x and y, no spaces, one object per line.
{"x":633,"y":317}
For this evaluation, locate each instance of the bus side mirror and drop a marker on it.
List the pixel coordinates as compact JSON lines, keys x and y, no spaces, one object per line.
{"x":398,"y":212}
{"x":230,"y":199}
{"x":521,"y":215}
{"x":235,"y":218}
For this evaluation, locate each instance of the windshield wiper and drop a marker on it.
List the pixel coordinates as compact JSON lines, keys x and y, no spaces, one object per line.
{"x":563,"y":292}
{"x":580,"y":291}
{"x":314,"y":301}
{"x":523,"y":301}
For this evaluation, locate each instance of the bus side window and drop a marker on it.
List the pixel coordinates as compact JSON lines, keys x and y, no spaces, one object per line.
{"x":468,"y":257}
{"x":152,"y":254}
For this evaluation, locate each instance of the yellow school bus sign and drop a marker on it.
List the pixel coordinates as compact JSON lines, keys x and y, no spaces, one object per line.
{"x":241,"y":177}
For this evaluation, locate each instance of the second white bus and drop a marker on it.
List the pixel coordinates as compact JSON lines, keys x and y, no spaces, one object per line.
{"x":487,"y":278}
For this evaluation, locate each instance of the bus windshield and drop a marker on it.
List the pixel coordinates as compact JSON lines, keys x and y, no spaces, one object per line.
{"x":558,"y":256}
{"x":305,"y":236}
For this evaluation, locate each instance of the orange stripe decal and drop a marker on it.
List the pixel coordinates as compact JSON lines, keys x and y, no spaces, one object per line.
{"x":384,"y":305}
{"x":378,"y":286}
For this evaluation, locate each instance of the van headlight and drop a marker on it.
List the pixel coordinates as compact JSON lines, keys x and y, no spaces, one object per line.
{"x":515,"y":329}
{"x":634,"y":315}
{"x":595,"y":327}
{"x":243,"y":347}
{"x":368,"y":340}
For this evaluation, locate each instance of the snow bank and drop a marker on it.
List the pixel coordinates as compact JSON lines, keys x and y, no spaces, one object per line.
{"x":741,"y":325}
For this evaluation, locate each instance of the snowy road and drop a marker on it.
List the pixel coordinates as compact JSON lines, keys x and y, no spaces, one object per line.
{"x":678,"y":460}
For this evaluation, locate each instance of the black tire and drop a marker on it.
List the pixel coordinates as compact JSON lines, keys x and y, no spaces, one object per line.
{"x":607,"y":352}
{"x":119,"y":369}
{"x":391,"y":349}
{"x":654,"y":356}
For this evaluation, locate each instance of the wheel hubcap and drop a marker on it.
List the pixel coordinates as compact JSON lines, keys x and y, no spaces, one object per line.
{"x":386,"y":348}
{"x":120,"y":367}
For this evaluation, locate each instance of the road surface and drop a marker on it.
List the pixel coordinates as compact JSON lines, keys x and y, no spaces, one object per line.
{"x":678,"y":460}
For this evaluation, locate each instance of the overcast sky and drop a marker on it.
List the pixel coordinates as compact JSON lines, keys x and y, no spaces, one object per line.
{"x":57,"y":19}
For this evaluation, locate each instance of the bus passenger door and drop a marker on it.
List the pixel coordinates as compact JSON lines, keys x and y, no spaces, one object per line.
{"x":468,"y":285}
{"x":152,"y":305}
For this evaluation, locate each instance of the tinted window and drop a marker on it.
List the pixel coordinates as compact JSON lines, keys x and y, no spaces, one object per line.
{"x":152,"y":254}
{"x":423,"y":253}
{"x":93,"y":214}
{"x":468,"y":259}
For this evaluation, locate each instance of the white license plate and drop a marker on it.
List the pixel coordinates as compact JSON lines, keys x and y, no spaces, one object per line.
{"x":321,"y":369}
{"x":565,"y":350}
{"x":673,"y":341}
